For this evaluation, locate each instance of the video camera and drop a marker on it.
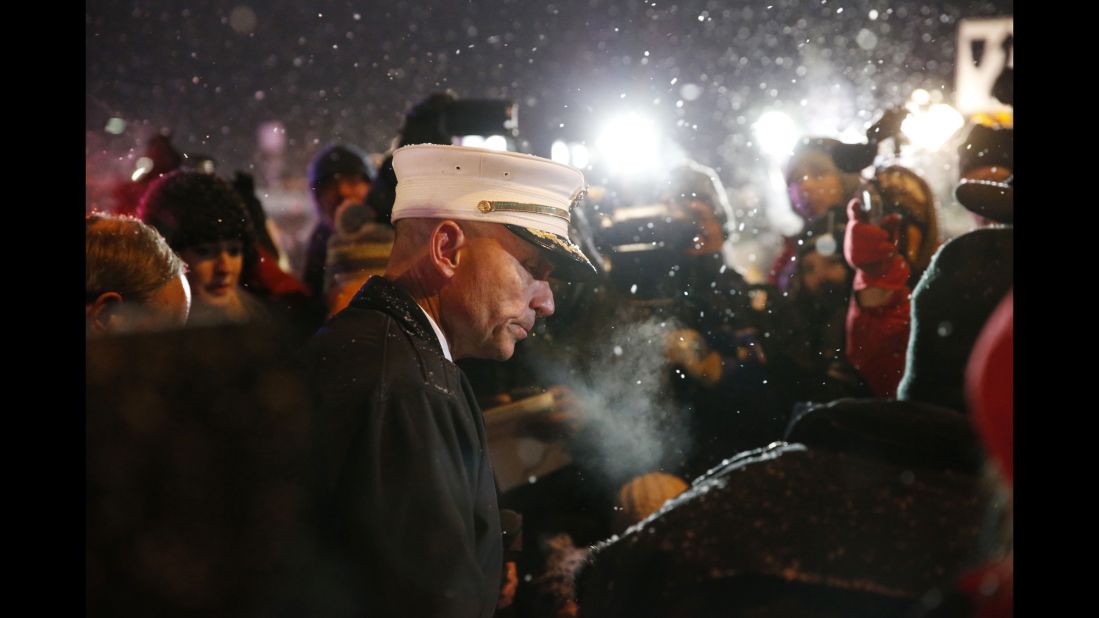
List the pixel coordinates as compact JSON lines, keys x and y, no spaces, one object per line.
{"x":441,"y":117}
{"x":853,"y":158}
{"x":480,"y":117}
{"x":892,"y":189}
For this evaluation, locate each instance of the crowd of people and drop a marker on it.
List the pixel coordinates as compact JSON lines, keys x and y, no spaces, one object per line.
{"x":830,"y":440}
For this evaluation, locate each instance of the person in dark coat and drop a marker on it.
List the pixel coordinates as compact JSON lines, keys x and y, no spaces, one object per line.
{"x":406,"y":511}
{"x":807,"y":353}
{"x":338,"y":175}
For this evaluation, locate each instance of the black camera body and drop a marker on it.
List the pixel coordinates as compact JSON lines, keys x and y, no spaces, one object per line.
{"x":652,"y":225}
{"x":852,"y":158}
{"x":480,"y":117}
{"x":645,"y":242}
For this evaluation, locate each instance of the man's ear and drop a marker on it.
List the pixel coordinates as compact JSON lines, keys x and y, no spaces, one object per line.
{"x":102,"y":314}
{"x":446,"y":240}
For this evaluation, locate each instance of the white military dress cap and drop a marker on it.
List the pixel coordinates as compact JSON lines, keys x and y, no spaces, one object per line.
{"x":530,"y":195}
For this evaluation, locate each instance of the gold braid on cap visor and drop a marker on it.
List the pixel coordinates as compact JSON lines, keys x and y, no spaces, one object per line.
{"x":559,"y":242}
{"x":487,"y":206}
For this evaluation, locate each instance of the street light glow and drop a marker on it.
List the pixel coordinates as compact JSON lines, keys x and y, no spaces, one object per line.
{"x":496,"y":142}
{"x":559,"y":152}
{"x":473,"y":141}
{"x":776,"y":133}
{"x":629,"y":144}
{"x":492,"y":142}
{"x":930,"y":128}
{"x":580,"y":157}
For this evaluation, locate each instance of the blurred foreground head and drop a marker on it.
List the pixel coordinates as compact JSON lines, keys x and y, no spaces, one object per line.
{"x":133,"y":280}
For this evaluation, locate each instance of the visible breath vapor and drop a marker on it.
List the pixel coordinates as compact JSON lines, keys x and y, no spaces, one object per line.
{"x":622,"y":381}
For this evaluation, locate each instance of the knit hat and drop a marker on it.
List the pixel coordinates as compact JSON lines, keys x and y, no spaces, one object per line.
{"x":339,"y":160}
{"x":358,"y":248}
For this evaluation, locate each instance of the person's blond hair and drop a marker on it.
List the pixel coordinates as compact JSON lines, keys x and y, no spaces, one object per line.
{"x":127,"y":256}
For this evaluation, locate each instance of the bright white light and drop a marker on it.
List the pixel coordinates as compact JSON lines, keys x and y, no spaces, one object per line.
{"x":629,"y":144}
{"x":496,"y":142}
{"x":115,"y":126}
{"x":559,"y":152}
{"x":690,"y":92}
{"x":492,"y":142}
{"x":473,"y":141}
{"x":921,"y":96}
{"x":580,"y":156}
{"x":776,"y":133}
{"x":573,"y":154}
{"x":144,"y":165}
{"x":930,"y":129}
{"x":852,"y":135}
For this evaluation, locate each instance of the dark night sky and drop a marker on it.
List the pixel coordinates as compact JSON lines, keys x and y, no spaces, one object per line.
{"x":214,"y":71}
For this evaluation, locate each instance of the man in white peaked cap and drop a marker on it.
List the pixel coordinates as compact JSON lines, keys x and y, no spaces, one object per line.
{"x":408,"y":516}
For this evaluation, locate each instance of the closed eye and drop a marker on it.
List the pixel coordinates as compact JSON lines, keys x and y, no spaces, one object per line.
{"x":539,"y":269}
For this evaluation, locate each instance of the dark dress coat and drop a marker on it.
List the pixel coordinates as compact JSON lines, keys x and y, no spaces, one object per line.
{"x":407,"y":515}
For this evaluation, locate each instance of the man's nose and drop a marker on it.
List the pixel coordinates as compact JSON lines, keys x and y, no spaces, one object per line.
{"x":542,"y":301}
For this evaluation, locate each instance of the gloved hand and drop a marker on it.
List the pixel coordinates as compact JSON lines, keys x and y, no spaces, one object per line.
{"x":872,"y":250}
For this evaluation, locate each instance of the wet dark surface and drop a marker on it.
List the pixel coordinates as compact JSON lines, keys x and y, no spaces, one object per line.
{"x":904,"y":433}
{"x":809,"y":523}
